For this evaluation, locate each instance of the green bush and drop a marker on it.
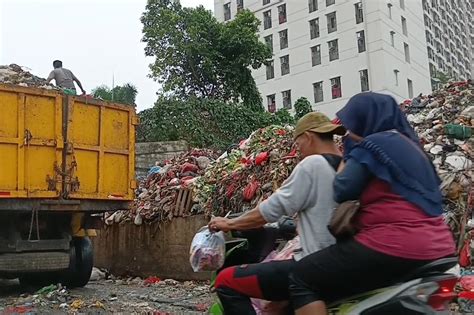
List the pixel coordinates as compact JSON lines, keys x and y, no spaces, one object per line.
{"x":204,"y":123}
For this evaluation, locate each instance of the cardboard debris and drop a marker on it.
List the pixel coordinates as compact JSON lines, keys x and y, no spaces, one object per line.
{"x":158,"y":194}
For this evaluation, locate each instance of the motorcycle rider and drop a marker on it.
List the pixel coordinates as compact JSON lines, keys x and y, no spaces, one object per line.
{"x":308,"y":192}
{"x":400,"y":224}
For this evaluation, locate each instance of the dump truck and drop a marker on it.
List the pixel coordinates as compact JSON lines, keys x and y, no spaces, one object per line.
{"x":64,"y":161}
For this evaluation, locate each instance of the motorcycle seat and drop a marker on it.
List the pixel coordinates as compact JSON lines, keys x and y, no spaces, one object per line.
{"x":434,"y":267}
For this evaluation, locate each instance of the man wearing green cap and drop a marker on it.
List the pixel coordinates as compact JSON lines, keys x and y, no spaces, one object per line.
{"x":307,"y":193}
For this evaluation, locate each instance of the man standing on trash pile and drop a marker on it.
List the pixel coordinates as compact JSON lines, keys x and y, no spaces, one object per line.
{"x":64,"y":78}
{"x":307,"y":193}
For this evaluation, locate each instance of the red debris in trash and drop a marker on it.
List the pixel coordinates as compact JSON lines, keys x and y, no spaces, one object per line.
{"x":151,"y":280}
{"x":250,"y":190}
{"x":468,"y":295}
{"x":202,"y":307}
{"x":261,"y":158}
{"x":467,"y":283}
{"x":18,"y":310}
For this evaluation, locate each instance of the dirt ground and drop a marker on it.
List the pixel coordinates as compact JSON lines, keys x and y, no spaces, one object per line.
{"x":127,"y":296}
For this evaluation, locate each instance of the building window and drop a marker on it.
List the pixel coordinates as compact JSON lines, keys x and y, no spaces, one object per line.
{"x":314,"y":28}
{"x":316,"y":55}
{"x":286,"y":95}
{"x":227,"y":13}
{"x":282,"y":13}
{"x":410,"y":88}
{"x":269,"y":42}
{"x":395,"y":72}
{"x":389,"y":6}
{"x":285,"y":64}
{"x":336,"y":88}
{"x":392,"y":38}
{"x":359,"y":13}
{"x":361,"y":41}
{"x":240,"y":5}
{"x":283,"y":39}
{"x":333,"y":50}
{"x":318,"y":92}
{"x":267,"y":19}
{"x":404,"y":26}
{"x":332,"y":22}
{"x":313,"y":5}
{"x":265,"y":2}
{"x":402,"y":4}
{"x":271,"y":103}
{"x":270,"y":70}
{"x":330,"y":2}
{"x":364,"y":80}
{"x":407,"y":52}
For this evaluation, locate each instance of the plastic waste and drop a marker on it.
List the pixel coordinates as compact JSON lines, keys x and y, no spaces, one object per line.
{"x":207,"y":252}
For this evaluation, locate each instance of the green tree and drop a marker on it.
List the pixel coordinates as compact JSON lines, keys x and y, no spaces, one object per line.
{"x":198,"y":56}
{"x":302,"y":107}
{"x":442,"y":77}
{"x":125,"y":94}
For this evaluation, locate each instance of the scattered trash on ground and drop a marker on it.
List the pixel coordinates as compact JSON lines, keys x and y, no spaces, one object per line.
{"x":109,"y":296}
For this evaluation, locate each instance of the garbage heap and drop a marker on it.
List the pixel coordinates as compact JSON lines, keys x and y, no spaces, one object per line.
{"x":15,"y":74}
{"x":242,"y":178}
{"x":444,"y":122}
{"x":157,"y":195}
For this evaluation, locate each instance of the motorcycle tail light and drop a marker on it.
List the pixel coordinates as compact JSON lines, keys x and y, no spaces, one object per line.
{"x":445,"y":294}
{"x":436,"y":294}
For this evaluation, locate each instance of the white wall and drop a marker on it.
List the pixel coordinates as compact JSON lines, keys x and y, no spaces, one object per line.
{"x":380,"y":57}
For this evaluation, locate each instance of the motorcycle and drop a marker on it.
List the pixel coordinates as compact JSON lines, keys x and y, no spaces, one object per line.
{"x":427,"y":290}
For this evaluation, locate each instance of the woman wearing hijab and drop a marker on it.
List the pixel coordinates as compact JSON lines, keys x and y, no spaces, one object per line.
{"x":399,"y":224}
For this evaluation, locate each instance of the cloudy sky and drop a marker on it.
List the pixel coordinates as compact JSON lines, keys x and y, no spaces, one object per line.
{"x":96,"y":39}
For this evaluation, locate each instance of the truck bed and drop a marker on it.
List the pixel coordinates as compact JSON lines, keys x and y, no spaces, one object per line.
{"x":55,"y":147}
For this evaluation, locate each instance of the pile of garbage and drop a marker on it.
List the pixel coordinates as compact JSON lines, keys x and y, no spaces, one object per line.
{"x":166,"y":182}
{"x":239,"y":180}
{"x":15,"y":74}
{"x":444,"y":122}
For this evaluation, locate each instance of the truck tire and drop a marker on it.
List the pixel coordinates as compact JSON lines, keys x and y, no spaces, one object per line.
{"x":82,"y":261}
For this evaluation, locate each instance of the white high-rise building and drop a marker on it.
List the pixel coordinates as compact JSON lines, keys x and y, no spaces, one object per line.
{"x":449,"y":28}
{"x":330,"y":50}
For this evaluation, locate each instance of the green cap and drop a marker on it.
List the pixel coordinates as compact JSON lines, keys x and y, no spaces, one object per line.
{"x":317,"y":122}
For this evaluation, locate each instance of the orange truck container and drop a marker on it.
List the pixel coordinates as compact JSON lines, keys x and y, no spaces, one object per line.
{"x":63,"y":160}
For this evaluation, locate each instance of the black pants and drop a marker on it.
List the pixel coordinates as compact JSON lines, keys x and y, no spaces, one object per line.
{"x":342,"y":270}
{"x":269,"y":281}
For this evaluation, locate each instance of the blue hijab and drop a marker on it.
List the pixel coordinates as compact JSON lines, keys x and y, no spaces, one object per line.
{"x":391,"y":150}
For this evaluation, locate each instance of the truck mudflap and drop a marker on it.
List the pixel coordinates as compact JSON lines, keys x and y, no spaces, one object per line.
{"x":34,"y":262}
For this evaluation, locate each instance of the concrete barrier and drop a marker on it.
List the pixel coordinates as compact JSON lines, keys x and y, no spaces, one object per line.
{"x":147,"y":153}
{"x":149,"y":250}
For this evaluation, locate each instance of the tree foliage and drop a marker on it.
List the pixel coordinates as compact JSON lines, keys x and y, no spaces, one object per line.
{"x":125,"y":94}
{"x":198,"y":56}
{"x":302,"y":107}
{"x":203,"y":122}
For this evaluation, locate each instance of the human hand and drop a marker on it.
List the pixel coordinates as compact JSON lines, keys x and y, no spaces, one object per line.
{"x":219,"y":224}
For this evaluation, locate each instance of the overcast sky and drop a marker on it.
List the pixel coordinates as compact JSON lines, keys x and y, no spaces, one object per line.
{"x":96,"y":39}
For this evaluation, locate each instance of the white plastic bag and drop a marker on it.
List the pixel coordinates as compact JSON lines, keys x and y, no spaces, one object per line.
{"x":207,"y":252}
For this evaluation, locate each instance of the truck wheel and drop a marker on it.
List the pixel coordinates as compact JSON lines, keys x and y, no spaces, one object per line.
{"x":82,"y":262}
